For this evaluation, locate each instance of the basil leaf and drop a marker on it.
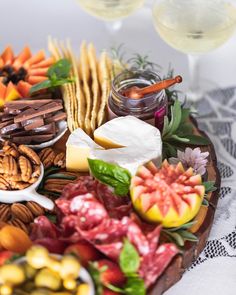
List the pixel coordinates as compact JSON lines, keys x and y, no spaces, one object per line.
{"x":198,"y":140}
{"x":60,"y":70}
{"x":209,"y":186}
{"x":42,"y":85}
{"x":112,"y":175}
{"x":135,"y":285}
{"x":60,"y":82}
{"x":176,"y":114}
{"x":129,"y":260}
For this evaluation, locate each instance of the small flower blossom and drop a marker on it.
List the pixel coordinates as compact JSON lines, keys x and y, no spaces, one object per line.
{"x":192,"y":158}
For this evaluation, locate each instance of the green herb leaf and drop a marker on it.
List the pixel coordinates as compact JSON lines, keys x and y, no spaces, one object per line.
{"x":135,"y":285}
{"x":60,"y":70}
{"x":185,"y":115}
{"x":176,"y":115}
{"x":129,"y":258}
{"x":184,"y":226}
{"x":209,"y":186}
{"x":179,"y":139}
{"x":60,"y":82}
{"x":188,"y":236}
{"x":40,"y":86}
{"x":198,"y":140}
{"x":112,"y":175}
{"x":175,"y":237}
{"x":52,"y":218}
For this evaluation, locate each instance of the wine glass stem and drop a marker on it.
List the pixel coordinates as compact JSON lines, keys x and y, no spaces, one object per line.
{"x":194,"y":84}
{"x":113,"y":26}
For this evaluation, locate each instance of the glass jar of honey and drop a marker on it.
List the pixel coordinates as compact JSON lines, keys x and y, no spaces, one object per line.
{"x":151,"y":108}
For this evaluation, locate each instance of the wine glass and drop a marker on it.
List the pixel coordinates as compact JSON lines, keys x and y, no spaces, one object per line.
{"x":195,"y":27}
{"x":111,"y":11}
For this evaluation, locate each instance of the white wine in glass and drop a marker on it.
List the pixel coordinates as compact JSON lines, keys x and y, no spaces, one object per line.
{"x":195,"y":27}
{"x":111,"y":11}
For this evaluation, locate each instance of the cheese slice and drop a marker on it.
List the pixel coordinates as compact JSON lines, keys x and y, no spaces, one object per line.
{"x":78,"y":148}
{"x":129,"y":142}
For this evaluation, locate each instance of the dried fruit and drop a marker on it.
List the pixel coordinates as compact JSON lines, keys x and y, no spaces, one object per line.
{"x":35,"y":208}
{"x":9,"y":165}
{"x":169,"y":195}
{"x":31,"y":154}
{"x":14,"y":239}
{"x":25,"y":168}
{"x":60,"y":160}
{"x":47,"y":157}
{"x":21,"y":212}
{"x":5,"y":212}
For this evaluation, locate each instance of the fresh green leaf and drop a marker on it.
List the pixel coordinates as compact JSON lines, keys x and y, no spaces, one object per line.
{"x":112,"y":175}
{"x":60,"y":82}
{"x":95,"y":274}
{"x":135,"y":285}
{"x":129,"y":259}
{"x":188,"y":236}
{"x":179,"y":139}
{"x":185,"y":115}
{"x":184,"y":129}
{"x":60,"y":70}
{"x":165,"y":127}
{"x":176,"y":114}
{"x":168,"y":151}
{"x":198,"y":140}
{"x":184,"y":226}
{"x":51,"y":217}
{"x":40,"y":86}
{"x":115,"y":289}
{"x":205,"y":202}
{"x":61,"y":176}
{"x":175,"y":237}
{"x":209,"y":186}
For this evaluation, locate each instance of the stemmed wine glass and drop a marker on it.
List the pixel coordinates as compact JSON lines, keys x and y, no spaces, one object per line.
{"x":195,"y":27}
{"x":111,"y":11}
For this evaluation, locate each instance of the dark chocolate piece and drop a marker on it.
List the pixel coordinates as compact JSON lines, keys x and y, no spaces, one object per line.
{"x":32,"y":138}
{"x":9,"y":128}
{"x":56,"y":118}
{"x":50,"y":128}
{"x":38,"y":122}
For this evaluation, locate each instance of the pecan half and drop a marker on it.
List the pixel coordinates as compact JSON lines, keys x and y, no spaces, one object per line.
{"x":22,"y":212}
{"x":47,"y":157}
{"x":28,"y":152}
{"x":35,"y":208}
{"x":1,"y":165}
{"x":20,"y":224}
{"x":19,"y":185}
{"x":11,"y":151}
{"x":60,"y":160}
{"x":4,"y":185}
{"x":9,"y":165}
{"x":36,"y":171}
{"x":56,"y":185}
{"x":13,"y":178}
{"x":5,"y":212}
{"x":25,"y":168}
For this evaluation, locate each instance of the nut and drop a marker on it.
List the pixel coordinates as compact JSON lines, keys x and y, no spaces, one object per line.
{"x":47,"y":157}
{"x":36,"y":171}
{"x":32,"y":180}
{"x":56,"y":185}
{"x":25,"y":150}
{"x":19,"y":185}
{"x":60,"y":160}
{"x":11,"y":151}
{"x":4,"y":185}
{"x":14,"y":178}
{"x":20,"y":224}
{"x":5,"y":212}
{"x":21,"y":212}
{"x":35,"y":208}
{"x":9,"y":165}
{"x":1,"y":165}
{"x":25,"y":168}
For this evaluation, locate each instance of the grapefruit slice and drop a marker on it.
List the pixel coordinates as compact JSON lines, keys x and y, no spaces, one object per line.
{"x":22,"y":57}
{"x":38,"y":72}
{"x":11,"y":92}
{"x":36,"y":79}
{"x":38,"y":57}
{"x":23,"y":88}
{"x":8,"y":56}
{"x":3,"y":89}
{"x":169,"y":195}
{"x":44,"y":64}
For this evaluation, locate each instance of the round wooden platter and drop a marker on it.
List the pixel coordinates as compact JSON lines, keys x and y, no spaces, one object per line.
{"x":201,"y":229}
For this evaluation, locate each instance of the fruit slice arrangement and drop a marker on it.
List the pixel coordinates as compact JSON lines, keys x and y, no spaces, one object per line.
{"x":169,"y":195}
{"x":19,"y":72}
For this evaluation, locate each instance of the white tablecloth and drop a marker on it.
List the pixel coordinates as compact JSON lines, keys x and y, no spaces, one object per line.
{"x":31,"y":21}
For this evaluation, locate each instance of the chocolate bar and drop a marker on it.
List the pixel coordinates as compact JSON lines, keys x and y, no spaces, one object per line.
{"x":58,"y":117}
{"x":32,"y":138}
{"x":38,"y":122}
{"x":9,"y":128}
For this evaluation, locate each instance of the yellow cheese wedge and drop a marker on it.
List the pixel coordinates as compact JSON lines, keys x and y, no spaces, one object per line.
{"x":78,"y":148}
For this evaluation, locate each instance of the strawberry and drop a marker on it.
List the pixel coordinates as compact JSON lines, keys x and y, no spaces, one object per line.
{"x":84,"y":251}
{"x":110,"y":273}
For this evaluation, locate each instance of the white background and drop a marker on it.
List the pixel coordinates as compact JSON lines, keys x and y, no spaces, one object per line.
{"x":31,"y":21}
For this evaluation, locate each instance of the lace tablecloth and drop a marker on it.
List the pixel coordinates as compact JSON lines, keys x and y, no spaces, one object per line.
{"x":214,"y":272}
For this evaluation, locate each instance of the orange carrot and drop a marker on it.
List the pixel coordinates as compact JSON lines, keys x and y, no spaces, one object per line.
{"x":22,"y":57}
{"x":44,"y":64}
{"x":36,"y":79}
{"x":38,"y":57}
{"x":8,"y":56}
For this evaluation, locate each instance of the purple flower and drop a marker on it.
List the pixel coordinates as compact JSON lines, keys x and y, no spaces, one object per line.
{"x":192,"y":158}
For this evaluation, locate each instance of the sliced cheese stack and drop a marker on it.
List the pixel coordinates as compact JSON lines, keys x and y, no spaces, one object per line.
{"x":128,"y":142}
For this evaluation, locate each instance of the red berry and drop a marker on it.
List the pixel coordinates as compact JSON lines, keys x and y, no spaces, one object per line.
{"x":109,"y":292}
{"x":112,"y":275}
